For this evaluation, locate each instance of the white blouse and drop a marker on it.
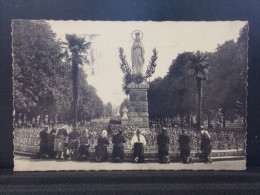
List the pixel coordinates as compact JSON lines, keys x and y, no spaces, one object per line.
{"x":141,"y":140}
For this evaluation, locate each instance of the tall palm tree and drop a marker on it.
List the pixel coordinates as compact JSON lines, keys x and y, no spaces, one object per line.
{"x":77,"y":47}
{"x":199,"y":69}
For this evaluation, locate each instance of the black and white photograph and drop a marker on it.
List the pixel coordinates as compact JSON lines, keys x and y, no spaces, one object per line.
{"x":129,"y":95}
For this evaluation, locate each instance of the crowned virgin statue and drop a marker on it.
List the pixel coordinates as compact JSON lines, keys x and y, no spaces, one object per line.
{"x":137,"y":53}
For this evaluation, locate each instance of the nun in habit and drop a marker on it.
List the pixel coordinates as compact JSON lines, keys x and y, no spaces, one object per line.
{"x":101,"y":148}
{"x":205,"y":147}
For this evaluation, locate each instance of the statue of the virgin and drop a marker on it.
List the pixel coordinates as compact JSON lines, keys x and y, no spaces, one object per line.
{"x":137,"y":55}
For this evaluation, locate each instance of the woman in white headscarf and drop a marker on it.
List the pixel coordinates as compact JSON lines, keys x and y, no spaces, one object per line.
{"x":101,"y":148}
{"x":205,"y":146}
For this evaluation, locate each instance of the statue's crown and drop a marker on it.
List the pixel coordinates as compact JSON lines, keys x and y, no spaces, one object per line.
{"x":137,"y":33}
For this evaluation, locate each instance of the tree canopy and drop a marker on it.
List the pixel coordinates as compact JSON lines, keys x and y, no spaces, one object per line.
{"x":108,"y":110}
{"x":224,"y":89}
{"x":42,"y":77}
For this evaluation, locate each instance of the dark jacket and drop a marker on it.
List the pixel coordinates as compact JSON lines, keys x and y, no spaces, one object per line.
{"x":163,"y":141}
{"x":184,"y":141}
{"x":118,"y":140}
{"x":102,"y":141}
{"x":205,"y":143}
{"x":44,"y":138}
{"x":101,"y":148}
{"x":74,"y":135}
{"x":43,"y":142}
{"x":51,"y":139}
{"x":74,"y":140}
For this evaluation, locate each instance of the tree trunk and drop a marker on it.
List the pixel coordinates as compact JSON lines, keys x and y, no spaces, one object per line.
{"x":209,"y":118}
{"x":75,"y":91}
{"x":199,"y":105}
{"x":224,"y":118}
{"x":182,"y":119}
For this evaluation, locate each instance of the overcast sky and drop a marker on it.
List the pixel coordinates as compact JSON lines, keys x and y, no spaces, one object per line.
{"x":169,"y":38}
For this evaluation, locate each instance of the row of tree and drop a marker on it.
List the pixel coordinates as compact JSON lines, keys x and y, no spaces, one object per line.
{"x":47,"y":78}
{"x":220,"y":75}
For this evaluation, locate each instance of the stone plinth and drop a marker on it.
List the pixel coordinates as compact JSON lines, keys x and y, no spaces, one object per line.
{"x":138,"y":108}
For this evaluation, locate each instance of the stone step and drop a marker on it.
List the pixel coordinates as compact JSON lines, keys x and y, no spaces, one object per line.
{"x":195,"y":160}
{"x":214,"y":159}
{"x":173,"y":154}
{"x":225,"y":155}
{"x":227,"y":158}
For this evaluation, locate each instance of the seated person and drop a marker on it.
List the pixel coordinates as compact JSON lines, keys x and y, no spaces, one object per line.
{"x":138,"y":141}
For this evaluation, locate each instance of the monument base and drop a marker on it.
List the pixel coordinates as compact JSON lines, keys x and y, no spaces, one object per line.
{"x":138,"y":106}
{"x":124,"y":121}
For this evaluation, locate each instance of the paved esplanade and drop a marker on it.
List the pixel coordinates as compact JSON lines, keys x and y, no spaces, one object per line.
{"x":26,"y":163}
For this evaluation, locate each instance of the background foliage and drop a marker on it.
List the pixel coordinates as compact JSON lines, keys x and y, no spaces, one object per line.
{"x":224,"y":90}
{"x":42,"y":76}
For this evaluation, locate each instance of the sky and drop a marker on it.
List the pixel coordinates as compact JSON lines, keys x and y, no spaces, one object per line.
{"x":169,"y":38}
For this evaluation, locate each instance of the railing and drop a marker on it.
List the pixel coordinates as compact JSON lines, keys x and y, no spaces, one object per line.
{"x":27,"y":139}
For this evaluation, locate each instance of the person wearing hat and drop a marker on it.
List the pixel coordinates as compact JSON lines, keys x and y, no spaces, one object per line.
{"x":184,"y":146}
{"x":138,"y":141}
{"x":163,"y":146}
{"x":43,"y":152}
{"x":205,"y":146}
{"x":118,"y":148}
{"x":101,"y":147}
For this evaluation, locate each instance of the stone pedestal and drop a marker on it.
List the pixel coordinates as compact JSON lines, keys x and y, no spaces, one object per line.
{"x":124,"y":122}
{"x":138,"y":108}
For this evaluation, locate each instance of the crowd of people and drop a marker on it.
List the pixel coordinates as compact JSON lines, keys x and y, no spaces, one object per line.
{"x":26,"y":138}
{"x":74,"y":145}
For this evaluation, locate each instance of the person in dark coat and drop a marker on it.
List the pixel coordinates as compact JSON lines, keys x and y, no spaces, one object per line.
{"x":101,"y":147}
{"x":138,"y":141}
{"x":43,"y":152}
{"x":74,"y":143}
{"x":51,"y":140}
{"x":184,"y":145}
{"x":163,"y":146}
{"x":118,"y":148}
{"x":84,"y":145}
{"x":205,"y":147}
